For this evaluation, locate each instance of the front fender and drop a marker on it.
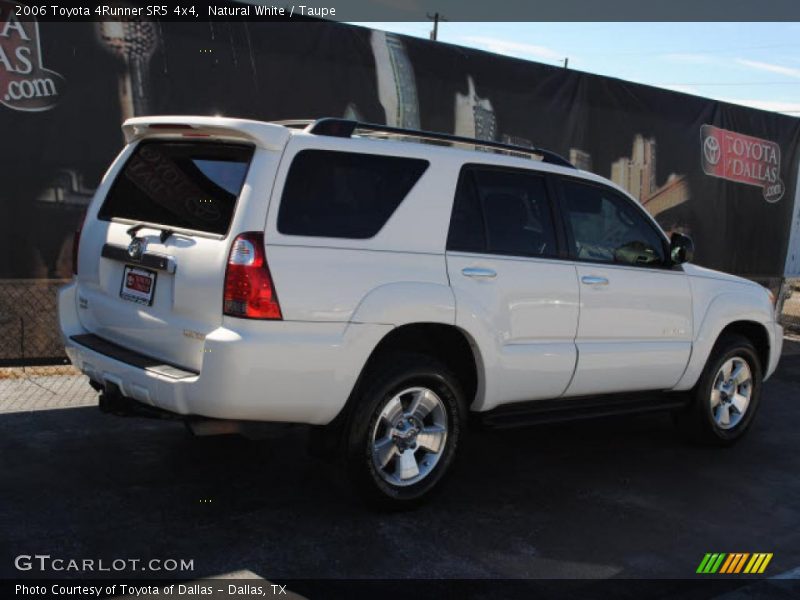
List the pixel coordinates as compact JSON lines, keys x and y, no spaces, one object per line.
{"x":407,"y":302}
{"x":724,"y":309}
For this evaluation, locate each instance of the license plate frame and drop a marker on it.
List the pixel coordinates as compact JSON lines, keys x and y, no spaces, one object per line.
{"x":133,"y":276}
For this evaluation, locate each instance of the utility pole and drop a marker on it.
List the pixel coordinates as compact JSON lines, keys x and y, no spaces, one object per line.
{"x":566,"y":63}
{"x":435,"y":17}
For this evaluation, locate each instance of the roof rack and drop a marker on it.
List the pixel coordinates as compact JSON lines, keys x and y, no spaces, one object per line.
{"x":346,"y":128}
{"x":296,"y":123}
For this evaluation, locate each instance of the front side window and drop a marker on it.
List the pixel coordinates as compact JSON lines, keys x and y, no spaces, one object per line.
{"x":502,"y":212}
{"x":607,"y":227}
{"x":344,"y":194}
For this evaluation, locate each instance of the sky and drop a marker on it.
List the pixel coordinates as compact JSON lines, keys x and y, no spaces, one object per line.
{"x":755,"y":64}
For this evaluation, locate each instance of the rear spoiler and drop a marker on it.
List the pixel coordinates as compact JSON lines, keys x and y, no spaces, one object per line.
{"x":265,"y":135}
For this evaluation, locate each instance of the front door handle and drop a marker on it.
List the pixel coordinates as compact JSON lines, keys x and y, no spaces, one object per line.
{"x":478,"y":273}
{"x":594,"y":280}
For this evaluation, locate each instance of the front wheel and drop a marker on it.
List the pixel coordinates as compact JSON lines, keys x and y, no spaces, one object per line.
{"x":405,"y":431}
{"x":725,"y":399}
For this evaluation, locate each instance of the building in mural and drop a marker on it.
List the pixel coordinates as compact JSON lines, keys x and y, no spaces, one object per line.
{"x":637,"y":175}
{"x":581,"y":159}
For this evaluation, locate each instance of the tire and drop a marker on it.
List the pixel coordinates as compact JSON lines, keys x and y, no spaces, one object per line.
{"x":407,"y":424}
{"x":714,"y":398}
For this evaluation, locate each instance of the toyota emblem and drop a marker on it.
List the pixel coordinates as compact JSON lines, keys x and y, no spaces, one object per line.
{"x":711,"y":150}
{"x":136,"y":248}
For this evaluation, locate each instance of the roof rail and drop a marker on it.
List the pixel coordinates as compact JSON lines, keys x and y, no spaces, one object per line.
{"x":304,"y":123}
{"x":335,"y":127}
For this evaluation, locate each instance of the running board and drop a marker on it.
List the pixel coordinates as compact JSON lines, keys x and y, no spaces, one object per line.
{"x":534,"y":412}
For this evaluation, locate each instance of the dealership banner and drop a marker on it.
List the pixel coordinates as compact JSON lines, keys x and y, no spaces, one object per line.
{"x":743,"y":158}
{"x":722,"y":173}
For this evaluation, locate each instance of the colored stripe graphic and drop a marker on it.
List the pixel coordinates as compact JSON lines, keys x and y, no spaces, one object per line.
{"x":718,"y":562}
{"x":703,"y":563}
{"x":729,"y":562}
{"x":740,"y":564}
{"x":758,"y":563}
{"x":754,"y":563}
{"x":711,"y":562}
{"x":765,"y":563}
{"x":733,"y":563}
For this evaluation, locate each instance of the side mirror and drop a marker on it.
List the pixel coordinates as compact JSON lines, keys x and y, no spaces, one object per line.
{"x":681,"y":248}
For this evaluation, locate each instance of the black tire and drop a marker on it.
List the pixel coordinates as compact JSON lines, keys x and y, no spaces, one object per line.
{"x":393,"y":375}
{"x":697,"y":420}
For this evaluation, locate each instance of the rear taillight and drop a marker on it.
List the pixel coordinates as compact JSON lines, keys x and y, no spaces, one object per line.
{"x":249,"y":292}
{"x":76,"y":242}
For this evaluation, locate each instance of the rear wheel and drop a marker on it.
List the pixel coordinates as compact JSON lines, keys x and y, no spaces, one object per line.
{"x":405,"y":430}
{"x":725,"y":399}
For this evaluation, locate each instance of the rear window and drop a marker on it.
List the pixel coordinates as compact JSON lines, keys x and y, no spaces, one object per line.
{"x":191,"y":185}
{"x":344,"y":194}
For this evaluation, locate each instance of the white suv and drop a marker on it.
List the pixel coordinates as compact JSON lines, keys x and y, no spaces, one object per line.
{"x":384,"y":284}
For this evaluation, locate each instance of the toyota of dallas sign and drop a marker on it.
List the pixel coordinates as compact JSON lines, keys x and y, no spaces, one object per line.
{"x":742,"y":158}
{"x":24,"y":82}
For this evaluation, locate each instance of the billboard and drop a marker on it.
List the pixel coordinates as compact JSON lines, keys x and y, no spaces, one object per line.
{"x":722,"y":173}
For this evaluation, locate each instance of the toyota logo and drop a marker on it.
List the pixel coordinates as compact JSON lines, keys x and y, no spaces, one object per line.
{"x":136,"y":248}
{"x":711,"y":150}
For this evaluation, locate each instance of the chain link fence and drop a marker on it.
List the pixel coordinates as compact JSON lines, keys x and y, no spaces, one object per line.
{"x":34,"y":374}
{"x":29,"y":333}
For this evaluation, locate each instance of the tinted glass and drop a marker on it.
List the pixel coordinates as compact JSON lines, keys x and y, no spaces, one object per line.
{"x":467,"y":229}
{"x":502,"y":212}
{"x":607,"y":227}
{"x":343,"y":194}
{"x":191,"y":185}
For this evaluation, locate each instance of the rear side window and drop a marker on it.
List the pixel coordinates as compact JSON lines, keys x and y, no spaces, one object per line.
{"x":344,"y":194}
{"x":191,"y":185}
{"x":467,"y":226}
{"x":502,"y":212}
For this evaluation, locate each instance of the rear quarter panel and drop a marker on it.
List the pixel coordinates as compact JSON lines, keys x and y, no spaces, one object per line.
{"x":397,"y":276}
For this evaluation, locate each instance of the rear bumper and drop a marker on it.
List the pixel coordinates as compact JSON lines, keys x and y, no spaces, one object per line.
{"x":297,"y":372}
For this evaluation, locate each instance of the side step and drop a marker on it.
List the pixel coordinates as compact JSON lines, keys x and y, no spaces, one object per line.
{"x":534,"y":412}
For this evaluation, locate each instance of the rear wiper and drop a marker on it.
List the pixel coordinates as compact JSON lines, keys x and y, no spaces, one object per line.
{"x":165,"y":234}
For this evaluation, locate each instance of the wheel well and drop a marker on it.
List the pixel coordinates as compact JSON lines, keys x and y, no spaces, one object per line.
{"x":446,"y":343}
{"x":757,"y":335}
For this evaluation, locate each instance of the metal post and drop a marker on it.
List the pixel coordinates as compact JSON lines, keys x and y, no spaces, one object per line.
{"x":435,"y":17}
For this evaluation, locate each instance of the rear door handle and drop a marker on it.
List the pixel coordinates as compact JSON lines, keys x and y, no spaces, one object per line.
{"x":478,"y":273}
{"x":594,"y":280}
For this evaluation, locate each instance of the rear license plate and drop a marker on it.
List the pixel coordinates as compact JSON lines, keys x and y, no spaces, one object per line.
{"x":138,"y":285}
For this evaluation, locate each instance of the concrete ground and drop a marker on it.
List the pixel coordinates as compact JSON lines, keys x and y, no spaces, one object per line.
{"x":613,"y":498}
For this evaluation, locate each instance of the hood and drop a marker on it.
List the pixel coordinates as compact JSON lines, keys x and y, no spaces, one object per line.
{"x":696,"y":271}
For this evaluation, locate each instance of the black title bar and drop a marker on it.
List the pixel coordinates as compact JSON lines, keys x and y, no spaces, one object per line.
{"x":384,"y":10}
